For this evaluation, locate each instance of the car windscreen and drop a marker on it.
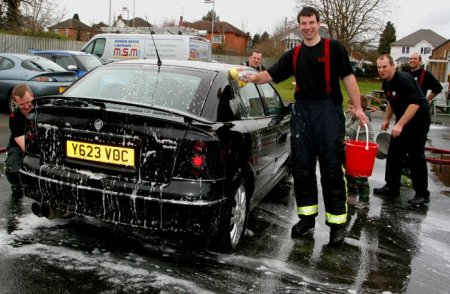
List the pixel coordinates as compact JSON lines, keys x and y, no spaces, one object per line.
{"x":41,"y":64}
{"x":89,"y":61}
{"x":182,"y":89}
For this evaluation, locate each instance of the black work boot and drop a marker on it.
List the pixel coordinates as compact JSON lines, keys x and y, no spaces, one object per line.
{"x":303,"y":227}
{"x":420,"y":199}
{"x":337,"y":235}
{"x":387,"y":191}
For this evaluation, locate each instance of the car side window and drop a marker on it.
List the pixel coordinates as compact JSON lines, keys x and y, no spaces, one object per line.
{"x":97,"y":47}
{"x":252,"y":101}
{"x":271,"y":99}
{"x":6,"y":63}
{"x":65,"y":61}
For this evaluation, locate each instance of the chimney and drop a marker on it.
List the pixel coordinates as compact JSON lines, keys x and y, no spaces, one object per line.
{"x":181,"y":21}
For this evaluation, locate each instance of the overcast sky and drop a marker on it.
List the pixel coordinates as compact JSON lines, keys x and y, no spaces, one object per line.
{"x":254,"y":16}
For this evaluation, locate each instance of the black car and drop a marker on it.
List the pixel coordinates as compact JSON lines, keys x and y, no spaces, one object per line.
{"x":177,"y":147}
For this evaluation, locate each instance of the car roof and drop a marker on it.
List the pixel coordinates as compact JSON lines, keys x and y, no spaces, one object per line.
{"x":212,"y":66}
{"x":62,"y":52}
{"x":20,"y":56}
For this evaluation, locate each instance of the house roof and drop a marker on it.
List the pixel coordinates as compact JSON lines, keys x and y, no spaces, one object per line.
{"x":421,"y":35}
{"x":71,"y":24}
{"x":440,"y":45}
{"x":138,"y":22}
{"x":219,"y":26}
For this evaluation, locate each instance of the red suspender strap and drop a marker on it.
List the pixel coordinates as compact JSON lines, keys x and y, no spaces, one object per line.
{"x":327,"y":65}
{"x":422,"y":75}
{"x":294,"y":64}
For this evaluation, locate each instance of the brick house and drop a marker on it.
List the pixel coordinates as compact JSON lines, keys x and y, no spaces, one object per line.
{"x":74,"y":29}
{"x":227,"y":38}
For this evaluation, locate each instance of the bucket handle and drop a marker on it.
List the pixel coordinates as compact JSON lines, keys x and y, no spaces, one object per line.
{"x":367,"y":135}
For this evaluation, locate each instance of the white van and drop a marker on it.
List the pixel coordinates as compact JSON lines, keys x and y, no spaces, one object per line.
{"x":140,"y":46}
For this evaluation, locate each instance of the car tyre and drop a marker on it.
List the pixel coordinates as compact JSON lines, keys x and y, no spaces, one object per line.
{"x":10,"y":102}
{"x":234,"y":221}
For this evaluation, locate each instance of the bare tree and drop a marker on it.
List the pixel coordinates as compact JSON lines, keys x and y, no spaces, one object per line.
{"x":40,"y":14}
{"x":11,"y":15}
{"x":356,"y":23}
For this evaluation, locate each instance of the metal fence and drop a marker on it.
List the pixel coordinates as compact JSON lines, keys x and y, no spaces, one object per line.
{"x":23,"y":44}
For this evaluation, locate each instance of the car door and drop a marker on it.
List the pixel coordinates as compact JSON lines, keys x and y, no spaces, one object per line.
{"x":264,"y":136}
{"x":280,"y":122}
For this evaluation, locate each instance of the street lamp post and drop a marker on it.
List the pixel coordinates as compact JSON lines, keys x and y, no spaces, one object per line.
{"x":212,"y":17}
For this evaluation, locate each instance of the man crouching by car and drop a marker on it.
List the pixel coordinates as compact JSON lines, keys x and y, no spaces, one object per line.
{"x":23,"y":97}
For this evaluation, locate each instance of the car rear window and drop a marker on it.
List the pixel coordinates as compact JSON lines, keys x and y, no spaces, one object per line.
{"x":41,"y":64}
{"x":181,"y":89}
{"x":89,"y":61}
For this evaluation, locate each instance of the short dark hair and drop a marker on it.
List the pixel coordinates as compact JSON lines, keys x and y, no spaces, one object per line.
{"x":389,"y":57}
{"x":256,"y":51}
{"x":308,"y":11}
{"x":20,"y":90}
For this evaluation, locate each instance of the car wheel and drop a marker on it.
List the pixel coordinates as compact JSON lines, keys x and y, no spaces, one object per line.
{"x":234,"y":222}
{"x":11,"y":103}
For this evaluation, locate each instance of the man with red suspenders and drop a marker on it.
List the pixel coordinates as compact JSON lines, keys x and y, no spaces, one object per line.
{"x":317,"y":123}
{"x":425,"y":78}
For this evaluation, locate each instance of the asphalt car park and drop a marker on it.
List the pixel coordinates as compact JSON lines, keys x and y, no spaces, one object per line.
{"x":43,"y":76}
{"x":177,"y":147}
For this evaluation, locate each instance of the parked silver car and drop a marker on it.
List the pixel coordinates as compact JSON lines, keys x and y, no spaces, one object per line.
{"x":42,"y":75}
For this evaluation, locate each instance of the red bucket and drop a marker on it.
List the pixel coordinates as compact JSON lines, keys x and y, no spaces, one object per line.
{"x":360,"y":156}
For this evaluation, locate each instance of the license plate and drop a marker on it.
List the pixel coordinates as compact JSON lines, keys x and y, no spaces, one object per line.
{"x":100,"y":153}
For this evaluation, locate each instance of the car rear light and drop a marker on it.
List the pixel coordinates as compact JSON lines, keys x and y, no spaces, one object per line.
{"x":200,"y":157}
{"x":31,"y":144}
{"x":43,"y":79}
{"x":198,"y":160}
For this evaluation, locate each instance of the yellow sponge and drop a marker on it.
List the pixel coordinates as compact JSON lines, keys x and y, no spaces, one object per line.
{"x":237,"y":76}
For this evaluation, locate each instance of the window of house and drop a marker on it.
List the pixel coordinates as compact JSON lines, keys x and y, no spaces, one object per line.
{"x":218,"y":39}
{"x":405,"y":50}
{"x":425,"y":50}
{"x":291,"y":43}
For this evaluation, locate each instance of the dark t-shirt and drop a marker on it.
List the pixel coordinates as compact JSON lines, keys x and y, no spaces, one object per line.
{"x":260,"y":67}
{"x":17,"y":123}
{"x":429,"y":81}
{"x":403,"y":90}
{"x":310,"y":75}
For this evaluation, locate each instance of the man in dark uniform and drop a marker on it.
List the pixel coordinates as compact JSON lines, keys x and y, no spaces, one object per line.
{"x":255,"y":60}
{"x":425,"y":78}
{"x":409,"y":134}
{"x":317,"y":123}
{"x":23,"y":97}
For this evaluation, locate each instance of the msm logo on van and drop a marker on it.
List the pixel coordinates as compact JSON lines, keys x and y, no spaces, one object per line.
{"x":126,"y":49}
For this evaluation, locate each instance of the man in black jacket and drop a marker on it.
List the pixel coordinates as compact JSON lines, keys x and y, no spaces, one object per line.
{"x":255,"y":60}
{"x":317,"y":123}
{"x":409,"y":134}
{"x":23,"y":97}
{"x":425,"y":78}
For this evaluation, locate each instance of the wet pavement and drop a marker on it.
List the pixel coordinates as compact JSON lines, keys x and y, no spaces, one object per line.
{"x":391,"y":247}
